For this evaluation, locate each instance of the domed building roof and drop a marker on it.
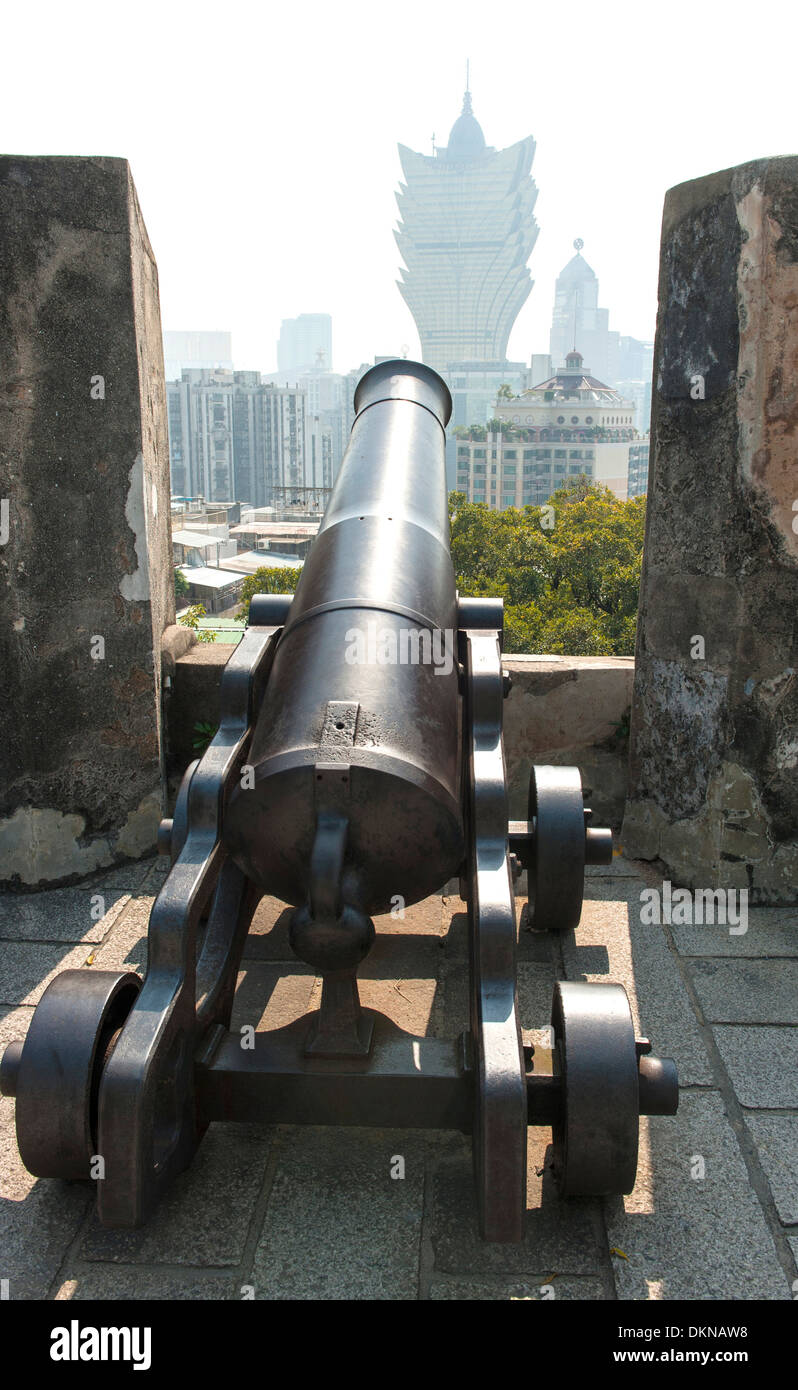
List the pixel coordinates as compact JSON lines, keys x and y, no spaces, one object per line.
{"x":466,"y":140}
{"x":574,"y":380}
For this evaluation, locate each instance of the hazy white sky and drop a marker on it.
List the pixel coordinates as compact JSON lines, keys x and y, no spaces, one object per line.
{"x":263,"y":138}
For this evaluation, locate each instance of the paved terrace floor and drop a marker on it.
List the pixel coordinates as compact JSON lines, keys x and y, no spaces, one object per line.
{"x":313,"y":1213}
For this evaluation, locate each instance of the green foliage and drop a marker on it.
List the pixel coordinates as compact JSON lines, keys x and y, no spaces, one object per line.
{"x":203,"y":733}
{"x":181,"y":585}
{"x":622,"y":727}
{"x":191,"y":618}
{"x":496,"y":426}
{"x":570,"y":588}
{"x":280,"y":580}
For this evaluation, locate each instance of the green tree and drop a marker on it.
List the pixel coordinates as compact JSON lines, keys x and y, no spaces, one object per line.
{"x":569,"y":574}
{"x":503,"y":427}
{"x":181,"y":586}
{"x":275,"y":580}
{"x":191,"y":618}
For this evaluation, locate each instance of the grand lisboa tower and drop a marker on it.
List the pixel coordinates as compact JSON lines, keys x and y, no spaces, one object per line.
{"x":467,"y":229}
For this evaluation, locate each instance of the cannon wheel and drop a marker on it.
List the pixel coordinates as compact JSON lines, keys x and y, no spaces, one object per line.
{"x":71,"y":1037}
{"x":557,"y":873}
{"x":596,"y":1135}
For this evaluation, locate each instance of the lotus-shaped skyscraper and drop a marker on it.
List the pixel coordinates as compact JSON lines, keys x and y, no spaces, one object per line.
{"x":466,"y":232}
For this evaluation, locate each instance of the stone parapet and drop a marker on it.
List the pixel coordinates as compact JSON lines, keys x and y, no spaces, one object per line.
{"x":713,"y":787}
{"x":86,"y":584}
{"x":571,"y":709}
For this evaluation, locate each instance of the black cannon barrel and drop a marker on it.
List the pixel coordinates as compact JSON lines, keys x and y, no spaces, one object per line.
{"x":360,"y":713}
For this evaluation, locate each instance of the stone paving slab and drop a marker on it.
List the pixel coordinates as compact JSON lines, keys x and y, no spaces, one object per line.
{"x":14,"y":1023}
{"x":762,"y":1064}
{"x":560,"y":1237}
{"x":37,"y":1220}
{"x":81,"y":1283}
{"x":449,"y":1013}
{"x":337,"y":1224}
{"x":29,"y":966}
{"x":268,"y":997}
{"x":747,"y":991}
{"x":687,"y":1238}
{"x":204,"y":1217}
{"x":542,"y":948}
{"x":407,"y":1002}
{"x":611,"y":944}
{"x":535,"y":991}
{"x":86,"y":912}
{"x":772,"y":931}
{"x":11,"y":920}
{"x":157,"y":870}
{"x":67,"y":914}
{"x":125,"y":948}
{"x":399,"y":958}
{"x":542,"y":1289}
{"x":454,"y":940}
{"x":776,"y":1139}
{"x":268,"y":932}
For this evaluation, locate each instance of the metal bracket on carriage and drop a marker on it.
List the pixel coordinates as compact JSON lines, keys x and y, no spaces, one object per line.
{"x":327,"y":932}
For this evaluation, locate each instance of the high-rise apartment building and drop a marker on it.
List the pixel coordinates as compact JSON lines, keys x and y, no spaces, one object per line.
{"x":305,"y":342}
{"x":638,"y":468}
{"x":466,"y":232}
{"x":213,"y":434}
{"x":234,"y":437}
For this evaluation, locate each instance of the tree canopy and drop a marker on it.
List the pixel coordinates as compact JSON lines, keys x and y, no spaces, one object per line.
{"x":281,"y":579}
{"x":569,"y":571}
{"x":181,"y":585}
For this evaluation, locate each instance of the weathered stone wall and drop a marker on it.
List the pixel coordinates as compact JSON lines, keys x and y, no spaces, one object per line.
{"x":571,"y":710}
{"x":85,"y":564}
{"x":574,"y":711}
{"x":713,"y":788}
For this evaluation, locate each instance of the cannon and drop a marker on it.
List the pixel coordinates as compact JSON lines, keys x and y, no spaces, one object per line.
{"x":358,"y":762}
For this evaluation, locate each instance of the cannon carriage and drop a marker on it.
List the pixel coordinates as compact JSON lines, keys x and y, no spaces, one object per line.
{"x":358,"y":761}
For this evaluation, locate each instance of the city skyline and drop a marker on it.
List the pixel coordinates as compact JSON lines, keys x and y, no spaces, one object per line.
{"x":309,"y":162}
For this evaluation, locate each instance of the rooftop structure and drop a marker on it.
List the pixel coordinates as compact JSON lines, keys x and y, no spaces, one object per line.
{"x":572,"y":397}
{"x":248,"y":561}
{"x":560,"y":416}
